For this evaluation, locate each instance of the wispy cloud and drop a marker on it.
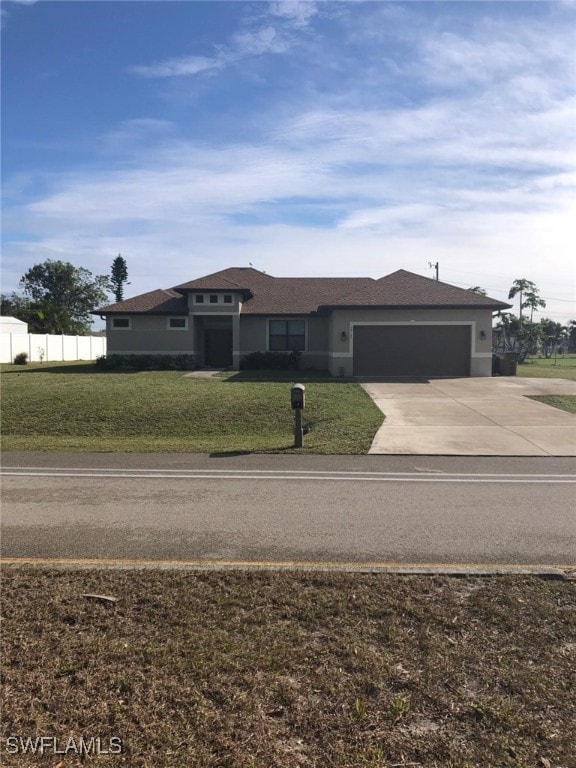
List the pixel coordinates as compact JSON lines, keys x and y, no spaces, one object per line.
{"x":180,"y":67}
{"x":265,"y":39}
{"x":299,"y":13}
{"x":260,"y":36}
{"x":469,"y":161}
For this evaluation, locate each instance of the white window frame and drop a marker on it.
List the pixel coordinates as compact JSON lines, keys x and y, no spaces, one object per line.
{"x":122,"y":328}
{"x":172,"y":328}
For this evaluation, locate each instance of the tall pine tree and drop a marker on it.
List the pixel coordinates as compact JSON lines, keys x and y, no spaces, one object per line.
{"x":119,"y":276}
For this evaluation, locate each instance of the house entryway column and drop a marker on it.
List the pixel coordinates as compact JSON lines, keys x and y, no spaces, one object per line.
{"x":236,"y":342}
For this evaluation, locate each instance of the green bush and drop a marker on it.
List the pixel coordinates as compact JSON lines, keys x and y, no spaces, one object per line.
{"x":21,"y":358}
{"x":271,"y":361}
{"x":146,"y":362}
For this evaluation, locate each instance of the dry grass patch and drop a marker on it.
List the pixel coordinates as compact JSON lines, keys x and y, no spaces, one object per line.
{"x":284,"y":669}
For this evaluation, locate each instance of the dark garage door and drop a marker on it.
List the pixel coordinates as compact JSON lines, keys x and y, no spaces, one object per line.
{"x":412,"y":350}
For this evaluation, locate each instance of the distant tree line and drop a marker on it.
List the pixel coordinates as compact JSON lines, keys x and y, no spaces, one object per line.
{"x":57,"y":297}
{"x":520,"y":334}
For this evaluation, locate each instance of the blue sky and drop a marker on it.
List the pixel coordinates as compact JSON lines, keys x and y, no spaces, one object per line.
{"x":306,"y":138}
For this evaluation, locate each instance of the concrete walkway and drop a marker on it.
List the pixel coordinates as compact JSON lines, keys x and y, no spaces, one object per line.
{"x":473,"y":417}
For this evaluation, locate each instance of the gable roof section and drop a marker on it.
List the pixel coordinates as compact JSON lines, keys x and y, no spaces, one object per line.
{"x":267,"y":295}
{"x":406,"y":289}
{"x":232,"y":279}
{"x":159,"y":302}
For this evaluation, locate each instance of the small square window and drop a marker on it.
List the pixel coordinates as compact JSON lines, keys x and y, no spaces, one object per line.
{"x":199,"y":298}
{"x":227,"y":298}
{"x":121,"y":323}
{"x":213,"y":298}
{"x":178,"y":323}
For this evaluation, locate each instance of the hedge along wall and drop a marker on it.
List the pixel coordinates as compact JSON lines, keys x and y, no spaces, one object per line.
{"x":53,"y":347}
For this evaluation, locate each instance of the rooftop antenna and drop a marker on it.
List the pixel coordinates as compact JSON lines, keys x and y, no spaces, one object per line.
{"x":253,"y":267}
{"x":436,"y":267}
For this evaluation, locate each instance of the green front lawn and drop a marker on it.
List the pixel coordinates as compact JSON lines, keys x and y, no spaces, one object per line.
{"x":72,"y":407}
{"x":563,"y":367}
{"x":564,"y":402}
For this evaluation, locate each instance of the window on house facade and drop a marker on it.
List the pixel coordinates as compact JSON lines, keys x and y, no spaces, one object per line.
{"x":287,"y":335}
{"x":213,"y":298}
{"x":121,"y":323}
{"x":177,"y":323}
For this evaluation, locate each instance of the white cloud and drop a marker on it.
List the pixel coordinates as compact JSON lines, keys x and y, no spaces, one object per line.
{"x":477,"y":173}
{"x":299,"y":13}
{"x":257,"y":38}
{"x":179,"y":67}
{"x":257,"y":42}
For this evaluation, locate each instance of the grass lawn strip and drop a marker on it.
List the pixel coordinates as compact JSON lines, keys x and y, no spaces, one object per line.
{"x":284,"y":669}
{"x":548,"y":368}
{"x":564,"y":402}
{"x":63,"y":408}
{"x":562,"y":368}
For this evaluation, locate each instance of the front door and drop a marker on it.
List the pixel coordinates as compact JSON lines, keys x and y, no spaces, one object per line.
{"x":218,"y":347}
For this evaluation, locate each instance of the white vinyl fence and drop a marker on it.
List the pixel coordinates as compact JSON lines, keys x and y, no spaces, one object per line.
{"x":46,"y":347}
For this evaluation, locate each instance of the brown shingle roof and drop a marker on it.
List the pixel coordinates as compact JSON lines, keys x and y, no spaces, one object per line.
{"x":406,"y":289}
{"x":234,"y":278}
{"x":159,"y":302}
{"x":267,"y":295}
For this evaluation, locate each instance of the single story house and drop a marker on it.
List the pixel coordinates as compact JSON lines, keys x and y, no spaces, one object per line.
{"x":400,"y":325}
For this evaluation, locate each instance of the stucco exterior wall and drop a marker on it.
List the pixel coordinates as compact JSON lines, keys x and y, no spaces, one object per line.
{"x":343,"y":322}
{"x":329,"y":340}
{"x":253,"y":332}
{"x":149,"y":333}
{"x":254,"y":338}
{"x":218,"y":308}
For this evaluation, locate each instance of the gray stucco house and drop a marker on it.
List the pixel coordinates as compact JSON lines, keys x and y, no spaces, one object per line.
{"x":400,"y":325}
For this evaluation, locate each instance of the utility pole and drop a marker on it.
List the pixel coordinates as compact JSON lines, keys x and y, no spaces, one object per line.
{"x":436,"y":267}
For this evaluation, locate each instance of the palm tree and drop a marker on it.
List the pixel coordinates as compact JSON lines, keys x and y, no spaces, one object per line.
{"x":522,"y":286}
{"x":533,"y":301}
{"x":478,"y":290}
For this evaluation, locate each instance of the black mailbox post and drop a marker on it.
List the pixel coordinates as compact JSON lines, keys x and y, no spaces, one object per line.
{"x":298,"y":401}
{"x":297,"y":396}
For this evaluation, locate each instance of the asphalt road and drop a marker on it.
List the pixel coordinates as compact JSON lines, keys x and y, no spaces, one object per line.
{"x":364,"y":510}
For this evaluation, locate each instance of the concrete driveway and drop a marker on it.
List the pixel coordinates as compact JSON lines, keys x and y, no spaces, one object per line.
{"x":473,"y":417}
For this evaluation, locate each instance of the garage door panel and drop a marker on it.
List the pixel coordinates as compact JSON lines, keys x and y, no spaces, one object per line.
{"x":420,"y":350}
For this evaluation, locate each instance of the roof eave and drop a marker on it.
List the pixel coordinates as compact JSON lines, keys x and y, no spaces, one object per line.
{"x":166,"y":312}
{"x":246,"y":292}
{"x":327,"y":308}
